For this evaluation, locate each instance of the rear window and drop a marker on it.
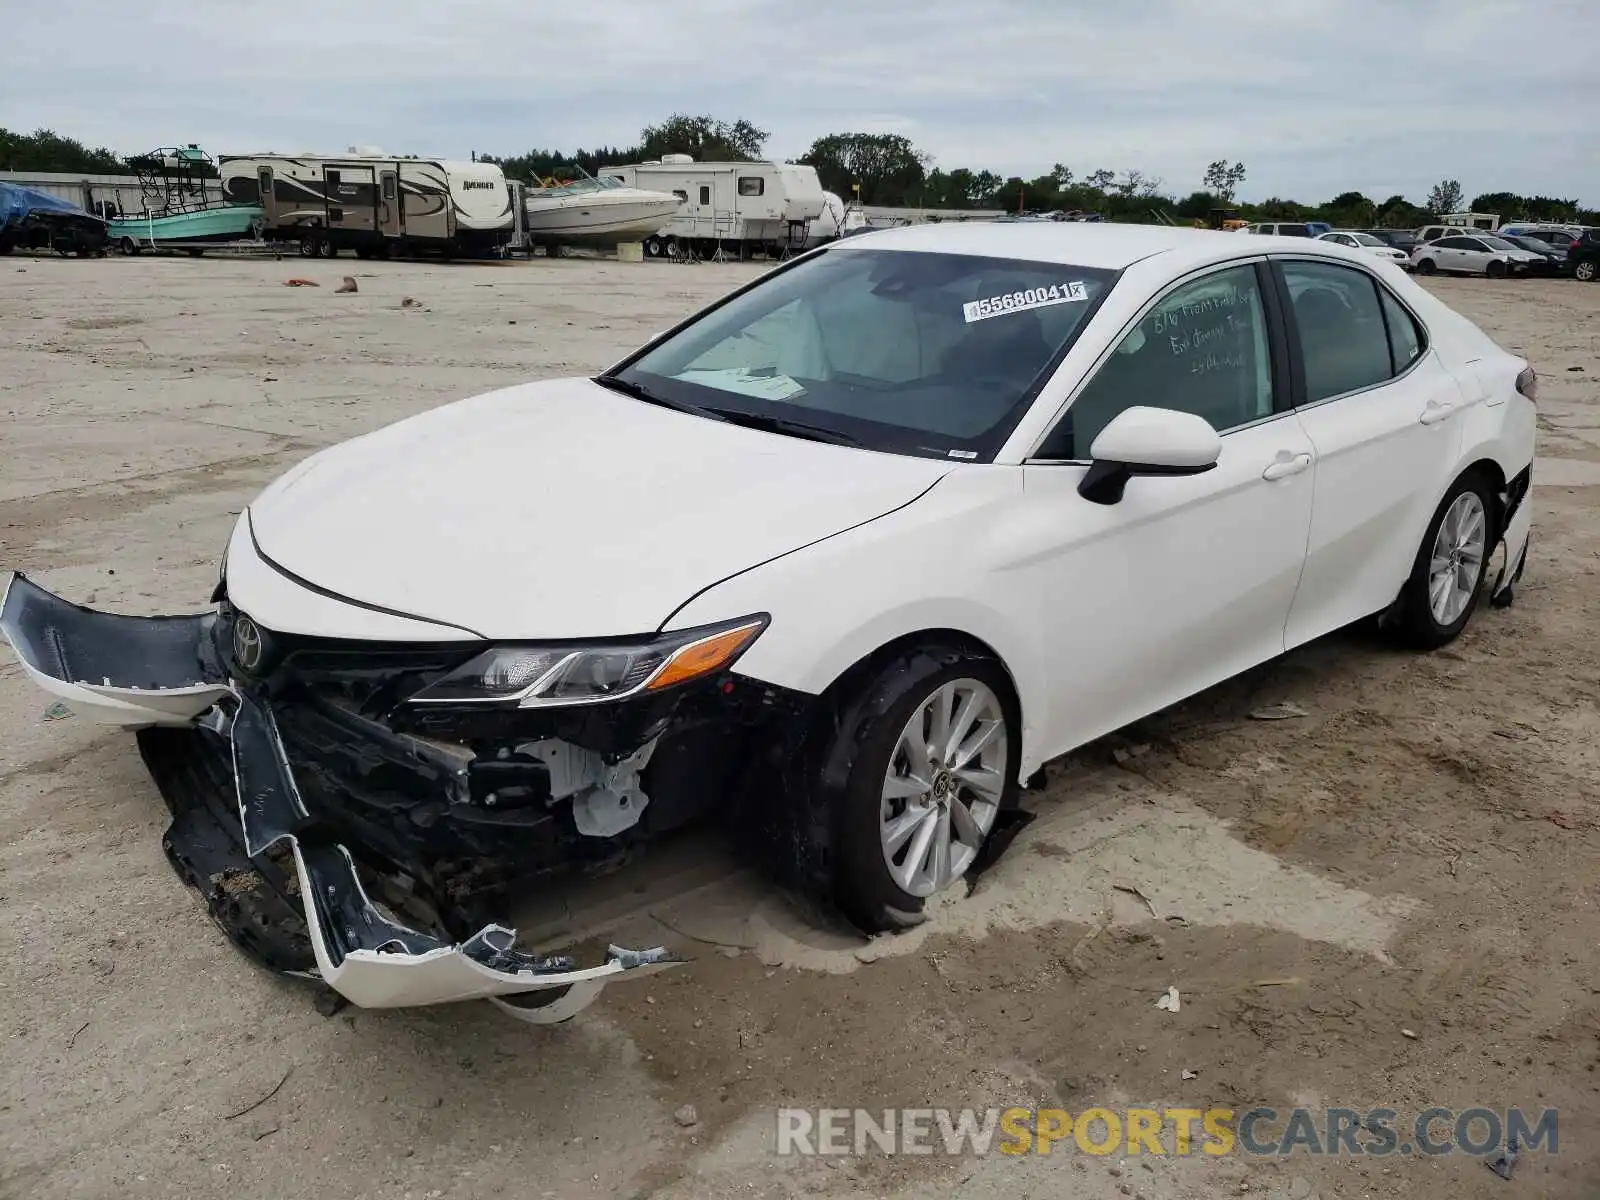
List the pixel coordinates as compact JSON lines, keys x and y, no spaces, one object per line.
{"x":1294,"y":230}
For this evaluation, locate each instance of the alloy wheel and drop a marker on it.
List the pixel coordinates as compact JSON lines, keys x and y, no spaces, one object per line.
{"x":1456,"y":565}
{"x":942,"y":790}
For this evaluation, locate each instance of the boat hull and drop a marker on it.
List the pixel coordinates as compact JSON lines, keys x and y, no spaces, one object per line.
{"x":229,"y":223}
{"x":598,"y":219}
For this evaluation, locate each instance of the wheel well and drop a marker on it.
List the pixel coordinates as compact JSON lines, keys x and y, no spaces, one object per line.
{"x":1491,"y":473}
{"x":858,"y":672}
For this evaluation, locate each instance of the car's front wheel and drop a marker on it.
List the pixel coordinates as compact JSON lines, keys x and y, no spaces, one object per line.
{"x":935,"y":738}
{"x":1427,"y":267}
{"x":1442,"y":592}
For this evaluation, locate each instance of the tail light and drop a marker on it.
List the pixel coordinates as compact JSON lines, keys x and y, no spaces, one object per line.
{"x":1528,"y":384}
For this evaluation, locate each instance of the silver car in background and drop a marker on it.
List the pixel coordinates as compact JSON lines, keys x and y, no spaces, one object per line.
{"x":1474,"y":254}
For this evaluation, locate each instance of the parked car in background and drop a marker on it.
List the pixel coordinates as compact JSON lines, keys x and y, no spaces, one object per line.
{"x":1280,"y":229}
{"x":394,"y":712}
{"x":1400,"y":239}
{"x":1556,"y":234}
{"x":1554,"y":258}
{"x":1478,"y":254}
{"x":1583,"y":256}
{"x":1366,"y":243}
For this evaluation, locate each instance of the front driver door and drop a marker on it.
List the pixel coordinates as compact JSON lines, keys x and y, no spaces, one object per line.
{"x":1186,"y":580}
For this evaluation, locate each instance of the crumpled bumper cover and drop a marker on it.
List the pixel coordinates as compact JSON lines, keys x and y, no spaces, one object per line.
{"x":163,"y":671}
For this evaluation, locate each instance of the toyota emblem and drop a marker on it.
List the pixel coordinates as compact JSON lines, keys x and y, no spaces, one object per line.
{"x":247,"y":644}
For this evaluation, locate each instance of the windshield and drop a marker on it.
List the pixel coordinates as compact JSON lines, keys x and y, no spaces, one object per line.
{"x":1366,"y":239}
{"x":1497,"y":243}
{"x":908,"y":352}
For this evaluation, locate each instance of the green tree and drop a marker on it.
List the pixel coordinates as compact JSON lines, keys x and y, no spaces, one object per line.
{"x":706,"y":138}
{"x":888,"y":167}
{"x":1445,"y":197}
{"x":44,"y":150}
{"x":1223,"y":179}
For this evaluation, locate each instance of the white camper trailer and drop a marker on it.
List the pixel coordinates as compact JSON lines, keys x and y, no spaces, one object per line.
{"x":373,"y":203}
{"x":732,"y":206}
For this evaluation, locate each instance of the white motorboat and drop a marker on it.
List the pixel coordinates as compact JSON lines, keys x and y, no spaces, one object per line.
{"x":595,"y":211}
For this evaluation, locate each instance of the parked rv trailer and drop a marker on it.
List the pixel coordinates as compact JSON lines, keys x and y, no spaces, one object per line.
{"x":372,"y":203}
{"x":737,"y":206}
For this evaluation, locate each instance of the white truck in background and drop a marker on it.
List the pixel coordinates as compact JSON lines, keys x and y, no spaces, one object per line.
{"x":732,"y":207}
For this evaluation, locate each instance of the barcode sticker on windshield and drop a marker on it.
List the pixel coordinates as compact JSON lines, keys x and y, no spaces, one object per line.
{"x":1013,"y":302}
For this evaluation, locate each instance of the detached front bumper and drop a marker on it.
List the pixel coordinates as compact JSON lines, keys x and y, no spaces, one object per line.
{"x":244,"y":835}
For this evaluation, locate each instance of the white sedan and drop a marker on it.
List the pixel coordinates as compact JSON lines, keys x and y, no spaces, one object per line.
{"x":838,"y":562}
{"x":1366,"y":243}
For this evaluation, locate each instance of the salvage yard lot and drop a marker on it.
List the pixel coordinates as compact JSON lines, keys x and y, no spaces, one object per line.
{"x":1418,"y":851}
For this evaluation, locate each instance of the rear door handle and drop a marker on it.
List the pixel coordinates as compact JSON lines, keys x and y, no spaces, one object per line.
{"x":1286,"y":464}
{"x":1436,"y":412}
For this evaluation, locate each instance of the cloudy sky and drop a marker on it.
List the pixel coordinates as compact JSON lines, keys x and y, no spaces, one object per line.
{"x":1315,"y":96}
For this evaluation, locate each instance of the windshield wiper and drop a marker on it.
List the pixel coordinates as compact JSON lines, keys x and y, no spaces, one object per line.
{"x":799,"y":429}
{"x":638,"y":391}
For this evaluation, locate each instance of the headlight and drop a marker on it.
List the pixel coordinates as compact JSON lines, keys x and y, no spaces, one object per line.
{"x":549,"y":676}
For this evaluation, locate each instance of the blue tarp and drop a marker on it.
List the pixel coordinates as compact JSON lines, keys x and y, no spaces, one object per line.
{"x":16,"y":202}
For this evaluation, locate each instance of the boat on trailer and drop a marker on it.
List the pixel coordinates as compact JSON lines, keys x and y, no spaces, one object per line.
{"x":593,"y":212}
{"x":184,"y":206}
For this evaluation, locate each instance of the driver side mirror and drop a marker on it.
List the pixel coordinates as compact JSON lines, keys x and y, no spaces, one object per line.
{"x":1147,"y":441}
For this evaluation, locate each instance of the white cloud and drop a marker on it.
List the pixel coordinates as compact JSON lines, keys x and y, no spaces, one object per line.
{"x":1315,"y":96}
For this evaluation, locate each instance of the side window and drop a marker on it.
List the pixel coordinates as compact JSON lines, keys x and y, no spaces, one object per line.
{"x":683,"y":196}
{"x":751,"y":185}
{"x":705,"y":194}
{"x":1343,"y":339}
{"x":1202,"y":348}
{"x":332,"y":178}
{"x":388,"y":186}
{"x":1406,"y":340}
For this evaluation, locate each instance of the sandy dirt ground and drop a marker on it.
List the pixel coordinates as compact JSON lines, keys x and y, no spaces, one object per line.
{"x":1418,"y":852}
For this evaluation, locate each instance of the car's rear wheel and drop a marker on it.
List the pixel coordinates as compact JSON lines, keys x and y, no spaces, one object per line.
{"x":1585,"y":270}
{"x":1439,"y":598}
{"x":1427,"y":266}
{"x":934,"y":734}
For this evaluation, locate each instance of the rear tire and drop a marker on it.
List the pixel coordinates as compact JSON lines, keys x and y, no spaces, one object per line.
{"x":1447,"y":575}
{"x":877,"y":747}
{"x":311,"y":245}
{"x":1585,"y":271}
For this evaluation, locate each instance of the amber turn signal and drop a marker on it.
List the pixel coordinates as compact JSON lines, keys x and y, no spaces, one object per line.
{"x":705,"y":656}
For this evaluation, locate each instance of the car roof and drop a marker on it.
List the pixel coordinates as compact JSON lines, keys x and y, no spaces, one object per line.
{"x":1097,"y":245}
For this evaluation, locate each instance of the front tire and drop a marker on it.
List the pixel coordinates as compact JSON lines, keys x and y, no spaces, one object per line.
{"x":1495,"y":269}
{"x":932,"y":740}
{"x":1447,"y":576}
{"x":1427,"y":267}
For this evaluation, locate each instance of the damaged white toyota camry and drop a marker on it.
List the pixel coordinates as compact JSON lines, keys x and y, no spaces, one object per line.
{"x":837,"y":563}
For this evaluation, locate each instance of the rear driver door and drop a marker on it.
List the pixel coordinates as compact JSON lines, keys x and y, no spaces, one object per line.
{"x":1383,"y":416}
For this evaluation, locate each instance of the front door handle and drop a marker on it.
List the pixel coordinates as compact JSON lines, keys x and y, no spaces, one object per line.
{"x":1436,"y":412}
{"x":1286,"y":464}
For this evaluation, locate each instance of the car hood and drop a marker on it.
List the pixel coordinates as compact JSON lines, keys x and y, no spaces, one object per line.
{"x":563,"y":509}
